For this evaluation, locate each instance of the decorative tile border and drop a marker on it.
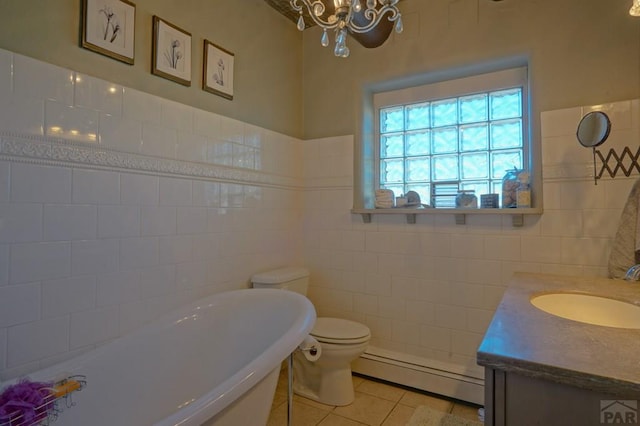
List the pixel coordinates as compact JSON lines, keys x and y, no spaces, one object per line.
{"x":558,"y":172}
{"x":56,"y":152}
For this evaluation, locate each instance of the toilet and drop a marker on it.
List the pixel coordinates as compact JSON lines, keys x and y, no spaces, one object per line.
{"x":326,"y":379}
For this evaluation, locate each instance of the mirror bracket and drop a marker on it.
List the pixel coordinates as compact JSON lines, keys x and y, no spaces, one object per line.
{"x":617,"y":162}
{"x":593,"y":130}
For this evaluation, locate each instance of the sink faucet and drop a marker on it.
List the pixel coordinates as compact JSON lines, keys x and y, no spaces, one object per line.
{"x":633,"y":274}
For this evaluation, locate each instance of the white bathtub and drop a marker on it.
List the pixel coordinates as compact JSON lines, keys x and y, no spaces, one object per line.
{"x":215,"y":361}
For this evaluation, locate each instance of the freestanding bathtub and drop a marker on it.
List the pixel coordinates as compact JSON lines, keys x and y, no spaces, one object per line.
{"x":213,"y":362}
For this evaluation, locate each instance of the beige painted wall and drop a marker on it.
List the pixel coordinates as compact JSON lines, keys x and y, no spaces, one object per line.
{"x":580,"y":52}
{"x":267,"y":48}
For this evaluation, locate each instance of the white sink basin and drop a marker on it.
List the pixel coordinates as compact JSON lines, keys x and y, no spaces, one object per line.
{"x":589,"y":309}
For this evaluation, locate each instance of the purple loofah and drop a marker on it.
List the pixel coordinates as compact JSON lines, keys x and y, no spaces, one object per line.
{"x":29,"y":400}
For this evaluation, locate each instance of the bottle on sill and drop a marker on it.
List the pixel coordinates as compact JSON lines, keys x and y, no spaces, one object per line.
{"x":523,"y":193}
{"x":523,"y":196}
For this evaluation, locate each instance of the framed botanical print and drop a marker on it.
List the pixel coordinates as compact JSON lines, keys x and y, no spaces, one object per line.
{"x":218,"y":70}
{"x":108,"y":27}
{"x":171,"y":56}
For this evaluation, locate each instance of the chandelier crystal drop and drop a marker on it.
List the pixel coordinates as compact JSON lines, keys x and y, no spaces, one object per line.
{"x":342,"y":19}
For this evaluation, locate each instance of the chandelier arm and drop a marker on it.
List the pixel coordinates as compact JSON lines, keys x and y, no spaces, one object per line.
{"x":295,"y":6}
{"x":310,"y":5}
{"x":374,"y":17}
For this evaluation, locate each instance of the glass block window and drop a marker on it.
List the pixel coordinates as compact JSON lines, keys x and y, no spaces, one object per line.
{"x":439,"y":146}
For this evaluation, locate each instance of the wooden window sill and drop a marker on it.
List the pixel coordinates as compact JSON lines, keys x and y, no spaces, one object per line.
{"x":517,"y":215}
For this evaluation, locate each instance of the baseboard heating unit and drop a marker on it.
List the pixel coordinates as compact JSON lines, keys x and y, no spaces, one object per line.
{"x":421,"y":373}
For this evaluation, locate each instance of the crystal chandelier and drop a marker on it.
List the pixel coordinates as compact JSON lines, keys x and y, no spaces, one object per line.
{"x":342,"y":20}
{"x":635,"y":8}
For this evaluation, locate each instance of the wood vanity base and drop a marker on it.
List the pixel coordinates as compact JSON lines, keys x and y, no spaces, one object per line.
{"x":513,"y":399}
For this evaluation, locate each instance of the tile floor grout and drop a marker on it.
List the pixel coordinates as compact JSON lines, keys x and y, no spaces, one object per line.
{"x":377,"y":403}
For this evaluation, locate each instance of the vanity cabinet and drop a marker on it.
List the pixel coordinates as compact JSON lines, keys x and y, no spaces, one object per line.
{"x":519,"y":400}
{"x":542,"y":369}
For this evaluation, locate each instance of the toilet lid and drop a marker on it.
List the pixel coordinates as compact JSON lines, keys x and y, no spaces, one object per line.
{"x":340,"y":331}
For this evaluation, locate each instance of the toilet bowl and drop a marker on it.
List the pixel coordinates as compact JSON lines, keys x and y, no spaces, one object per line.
{"x":326,"y":379}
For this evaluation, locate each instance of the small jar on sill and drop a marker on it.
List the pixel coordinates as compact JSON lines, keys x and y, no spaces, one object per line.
{"x":466,"y":199}
{"x":510,"y":186}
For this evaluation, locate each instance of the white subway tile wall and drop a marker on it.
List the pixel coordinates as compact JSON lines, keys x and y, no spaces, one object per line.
{"x":33,"y":79}
{"x":45,"y":184}
{"x":69,"y":122}
{"x":430,"y":289}
{"x":119,"y":133}
{"x":87,"y":255}
{"x":98,"y":95}
{"x":24,"y":116}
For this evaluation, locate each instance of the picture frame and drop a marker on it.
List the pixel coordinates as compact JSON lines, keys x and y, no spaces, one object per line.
{"x":217,"y":75}
{"x":171,"y":55}
{"x":108,"y":28}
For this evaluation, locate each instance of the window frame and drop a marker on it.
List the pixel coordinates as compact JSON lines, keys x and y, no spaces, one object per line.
{"x":483,"y":82}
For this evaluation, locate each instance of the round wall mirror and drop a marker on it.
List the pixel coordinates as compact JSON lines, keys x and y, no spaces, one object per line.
{"x":593,"y":129}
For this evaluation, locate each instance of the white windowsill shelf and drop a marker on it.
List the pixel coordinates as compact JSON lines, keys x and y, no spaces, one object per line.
{"x":517,"y":215}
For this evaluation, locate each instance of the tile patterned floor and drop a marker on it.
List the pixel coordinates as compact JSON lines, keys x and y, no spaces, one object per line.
{"x":376,"y":404}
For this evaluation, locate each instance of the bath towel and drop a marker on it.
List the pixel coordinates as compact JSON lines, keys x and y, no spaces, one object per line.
{"x":625,"y":251}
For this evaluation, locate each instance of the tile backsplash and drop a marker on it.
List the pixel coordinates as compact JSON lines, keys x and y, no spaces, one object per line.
{"x":116,"y":206}
{"x":429,"y":290}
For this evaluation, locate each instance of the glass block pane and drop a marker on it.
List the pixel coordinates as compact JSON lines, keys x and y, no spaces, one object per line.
{"x":391,"y":145}
{"x":438,"y":147}
{"x":473,"y":108}
{"x":445,"y":112}
{"x":506,"y":134}
{"x":475,"y":166}
{"x":391,"y":119}
{"x":501,"y":161}
{"x":445,"y":140}
{"x":496,"y":187}
{"x":418,"y":169}
{"x":418,"y":143}
{"x":424,"y":191}
{"x":506,"y":104}
{"x":418,"y":116}
{"x":398,"y":190}
{"x":391,"y":171}
{"x":479,"y":188}
{"x":445,"y":167}
{"x":474,"y":137}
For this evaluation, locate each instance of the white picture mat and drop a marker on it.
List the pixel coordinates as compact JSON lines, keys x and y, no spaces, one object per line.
{"x":166,"y":36}
{"x":219,"y":70}
{"x":99,"y":26}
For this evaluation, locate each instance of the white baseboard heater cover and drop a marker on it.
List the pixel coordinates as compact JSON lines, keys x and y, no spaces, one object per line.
{"x":420,"y":373}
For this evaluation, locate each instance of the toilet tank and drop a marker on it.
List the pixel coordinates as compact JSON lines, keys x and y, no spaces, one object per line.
{"x":291,"y":278}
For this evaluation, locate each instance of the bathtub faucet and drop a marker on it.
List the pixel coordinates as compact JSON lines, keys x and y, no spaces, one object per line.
{"x":633,"y":274}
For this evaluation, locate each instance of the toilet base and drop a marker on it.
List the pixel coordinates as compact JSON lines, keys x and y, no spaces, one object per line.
{"x":328,"y":379}
{"x":334,"y":387}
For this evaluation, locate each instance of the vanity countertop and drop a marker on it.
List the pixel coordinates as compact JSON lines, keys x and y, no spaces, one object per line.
{"x":525,"y":340}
